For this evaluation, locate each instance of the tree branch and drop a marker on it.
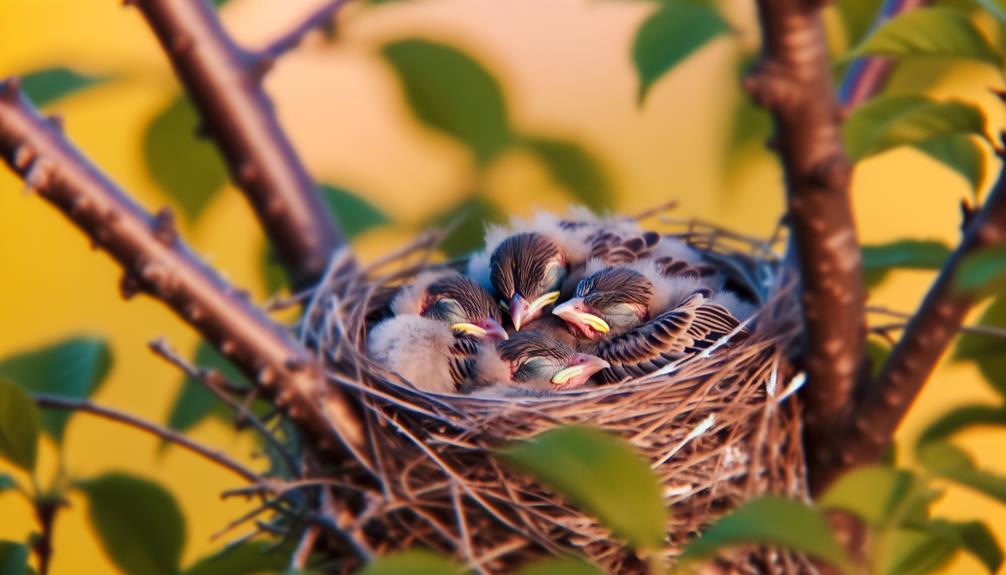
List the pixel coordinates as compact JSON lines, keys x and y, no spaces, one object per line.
{"x":927,"y":335}
{"x":155,"y":261}
{"x":46,"y":509}
{"x":316,"y":19}
{"x":224,"y":82}
{"x":792,"y":81}
{"x":58,"y":402}
{"x":868,"y":76}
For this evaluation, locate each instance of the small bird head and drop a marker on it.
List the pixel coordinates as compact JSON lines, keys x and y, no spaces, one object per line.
{"x":612,"y":300}
{"x":527,"y":271}
{"x":537,"y":361}
{"x":458,"y":301}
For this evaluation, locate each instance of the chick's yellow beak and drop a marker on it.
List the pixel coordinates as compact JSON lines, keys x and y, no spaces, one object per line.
{"x":574,"y":312}
{"x":469,"y":328}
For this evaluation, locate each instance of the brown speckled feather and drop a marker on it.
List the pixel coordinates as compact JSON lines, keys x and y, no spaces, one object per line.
{"x":462,"y":360}
{"x":694,"y":325}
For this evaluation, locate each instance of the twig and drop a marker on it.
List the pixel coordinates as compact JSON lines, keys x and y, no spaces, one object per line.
{"x":56,"y":402}
{"x":923,"y":342}
{"x":868,"y":76}
{"x":224,"y":82}
{"x":212,"y":380}
{"x":46,"y":509}
{"x":986,"y":330}
{"x":156,"y":262}
{"x":793,"y":82}
{"x":303,"y":551}
{"x":291,"y":39}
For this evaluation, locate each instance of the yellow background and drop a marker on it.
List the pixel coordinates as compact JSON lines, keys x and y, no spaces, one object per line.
{"x":565,"y":69}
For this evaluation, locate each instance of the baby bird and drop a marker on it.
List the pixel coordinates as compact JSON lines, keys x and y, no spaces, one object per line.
{"x":528,"y":364}
{"x":639,"y":320}
{"x":439,"y":323}
{"x":531,"y":263}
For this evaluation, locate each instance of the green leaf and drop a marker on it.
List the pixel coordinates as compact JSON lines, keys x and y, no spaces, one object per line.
{"x":880,"y":259}
{"x":46,"y":86}
{"x":194,"y":403}
{"x":73,"y":368}
{"x":954,"y":464}
{"x":669,"y":36}
{"x":413,"y":562}
{"x":561,"y":566}
{"x":857,"y":18}
{"x":887,"y":122}
{"x":770,"y":521}
{"x":575,"y":168}
{"x":187,"y":168}
{"x":467,"y":222}
{"x":451,"y":92}
{"x":975,"y":538}
{"x":917,"y":552}
{"x":929,"y":32}
{"x":603,"y":474}
{"x":982,"y":272}
{"x":961,"y":154}
{"x":273,"y":275}
{"x":751,"y":127}
{"x":19,"y":426}
{"x":6,"y":482}
{"x":988,"y":351}
{"x":872,"y":493}
{"x":354,"y":214}
{"x":246,"y":559}
{"x":13,"y":558}
{"x":137,"y":523}
{"x":877,"y":352}
{"x":995,"y":7}
{"x":961,"y":418}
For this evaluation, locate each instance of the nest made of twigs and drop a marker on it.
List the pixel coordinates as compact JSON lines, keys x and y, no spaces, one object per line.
{"x":719,"y":428}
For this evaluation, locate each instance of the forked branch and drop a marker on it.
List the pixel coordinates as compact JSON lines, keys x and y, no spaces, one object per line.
{"x":224,"y":82}
{"x":155,"y":261}
{"x":793,"y":81}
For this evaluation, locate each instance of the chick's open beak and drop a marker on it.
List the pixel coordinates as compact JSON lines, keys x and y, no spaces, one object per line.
{"x":578,"y":371}
{"x":574,"y":312}
{"x":523,"y":312}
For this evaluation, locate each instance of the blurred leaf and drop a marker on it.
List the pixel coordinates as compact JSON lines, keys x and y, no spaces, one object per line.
{"x":887,"y":122}
{"x":73,"y":368}
{"x":917,"y":552}
{"x":451,"y":92}
{"x":669,"y":36}
{"x":137,"y":523}
{"x":354,"y":214}
{"x":561,"y":566}
{"x":273,"y":275}
{"x":877,"y":352}
{"x":960,"y":153}
{"x":771,"y":521}
{"x":19,"y":426}
{"x":602,"y":473}
{"x":51,"y":84}
{"x":975,"y":538}
{"x":751,"y":125}
{"x":872,"y":493}
{"x":194,"y":403}
{"x":929,"y":32}
{"x":467,"y":221}
{"x":987,"y":351}
{"x":878,"y":260}
{"x":245,"y":559}
{"x":186,"y":167}
{"x":857,"y":18}
{"x":414,"y":562}
{"x":983,"y":271}
{"x":575,"y":168}
{"x":995,"y":7}
{"x":961,"y":418}
{"x":954,"y":464}
{"x":13,"y":558}
{"x":6,"y":482}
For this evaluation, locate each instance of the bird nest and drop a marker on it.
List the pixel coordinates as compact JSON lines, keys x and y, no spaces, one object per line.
{"x":718,"y":429}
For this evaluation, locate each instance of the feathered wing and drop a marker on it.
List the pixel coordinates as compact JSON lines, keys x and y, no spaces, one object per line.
{"x":691,"y":327}
{"x":425,"y":352}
